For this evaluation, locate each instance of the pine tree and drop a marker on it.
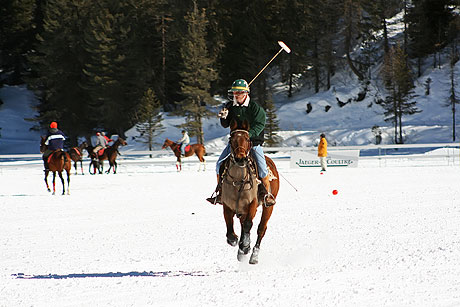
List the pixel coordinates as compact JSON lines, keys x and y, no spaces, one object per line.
{"x":453,"y":99}
{"x":272,"y":125}
{"x":428,"y":24}
{"x":148,"y":117}
{"x":399,"y":83}
{"x":116,"y":72}
{"x":57,"y":66}
{"x":17,"y":37}
{"x":197,"y":75}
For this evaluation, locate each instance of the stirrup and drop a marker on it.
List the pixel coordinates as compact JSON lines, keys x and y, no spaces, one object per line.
{"x":267,"y":202}
{"x":214,"y":199}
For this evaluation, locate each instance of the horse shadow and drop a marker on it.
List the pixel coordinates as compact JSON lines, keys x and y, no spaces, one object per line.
{"x":112,"y":274}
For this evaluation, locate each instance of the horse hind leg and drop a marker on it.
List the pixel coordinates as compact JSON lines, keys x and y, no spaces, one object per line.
{"x":54,"y":183}
{"x":46,"y":181}
{"x":266,"y":214}
{"x":63,"y":183}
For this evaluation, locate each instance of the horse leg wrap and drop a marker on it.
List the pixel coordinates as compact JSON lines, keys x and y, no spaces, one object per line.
{"x":254,"y":256}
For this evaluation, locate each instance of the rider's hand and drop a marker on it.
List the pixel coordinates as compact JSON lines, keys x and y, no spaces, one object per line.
{"x":223,"y":113}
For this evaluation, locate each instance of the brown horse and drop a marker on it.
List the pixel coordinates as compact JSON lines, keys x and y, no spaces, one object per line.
{"x":240,"y":192}
{"x":76,"y":154}
{"x":110,"y":154}
{"x":190,"y":150}
{"x":58,"y":161}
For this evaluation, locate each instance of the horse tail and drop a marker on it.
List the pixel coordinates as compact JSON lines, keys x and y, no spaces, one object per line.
{"x":204,"y":150}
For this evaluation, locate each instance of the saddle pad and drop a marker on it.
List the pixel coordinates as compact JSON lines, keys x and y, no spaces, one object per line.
{"x":187,"y":148}
{"x":78,"y":152}
{"x":100,"y":152}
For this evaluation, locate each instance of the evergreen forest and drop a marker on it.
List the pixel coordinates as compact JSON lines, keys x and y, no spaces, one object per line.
{"x":114,"y":64}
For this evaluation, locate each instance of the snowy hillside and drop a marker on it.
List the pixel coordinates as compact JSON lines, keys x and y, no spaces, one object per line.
{"x":347,"y":125}
{"x":346,"y":121}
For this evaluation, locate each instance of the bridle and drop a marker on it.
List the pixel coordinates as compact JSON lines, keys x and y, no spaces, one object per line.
{"x":245,"y":182}
{"x":245,"y":133}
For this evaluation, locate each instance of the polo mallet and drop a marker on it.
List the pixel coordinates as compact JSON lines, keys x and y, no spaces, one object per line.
{"x":283,"y":47}
{"x":288,"y":182}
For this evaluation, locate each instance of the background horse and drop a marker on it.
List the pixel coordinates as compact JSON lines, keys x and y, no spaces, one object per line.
{"x":110,"y":154}
{"x":56,"y":164}
{"x":76,"y":154}
{"x":240,"y":192}
{"x":197,"y":149}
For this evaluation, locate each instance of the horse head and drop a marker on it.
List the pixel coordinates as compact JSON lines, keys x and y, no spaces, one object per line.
{"x":42,"y":144}
{"x":122,"y":141}
{"x":239,"y":140}
{"x":167,"y":143}
{"x":84,"y":145}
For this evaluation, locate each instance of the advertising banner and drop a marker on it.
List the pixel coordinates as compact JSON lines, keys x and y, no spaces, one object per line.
{"x":347,"y":158}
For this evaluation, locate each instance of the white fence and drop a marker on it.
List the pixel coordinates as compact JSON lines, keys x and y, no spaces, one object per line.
{"x":383,"y":155}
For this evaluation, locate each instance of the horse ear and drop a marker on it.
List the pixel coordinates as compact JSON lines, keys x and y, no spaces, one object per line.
{"x":245,"y":125}
{"x":233,"y":125}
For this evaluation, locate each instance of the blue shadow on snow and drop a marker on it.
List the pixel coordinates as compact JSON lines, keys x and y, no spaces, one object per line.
{"x":111,"y":274}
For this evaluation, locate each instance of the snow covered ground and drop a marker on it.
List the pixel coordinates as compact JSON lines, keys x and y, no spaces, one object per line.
{"x":146,"y":236}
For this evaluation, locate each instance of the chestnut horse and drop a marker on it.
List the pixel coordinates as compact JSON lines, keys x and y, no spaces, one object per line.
{"x":76,"y":154}
{"x":190,"y":150}
{"x":240,"y":192}
{"x":56,"y":164}
{"x":110,"y":154}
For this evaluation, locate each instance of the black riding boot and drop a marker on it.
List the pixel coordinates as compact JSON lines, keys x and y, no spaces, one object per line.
{"x":215,"y":197}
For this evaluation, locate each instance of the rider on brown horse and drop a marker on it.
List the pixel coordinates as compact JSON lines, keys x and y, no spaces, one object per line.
{"x":241,"y":108}
{"x":54,"y":141}
{"x":184,"y":141}
{"x":101,"y":143}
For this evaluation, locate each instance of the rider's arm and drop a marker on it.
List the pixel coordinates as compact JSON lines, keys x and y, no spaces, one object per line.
{"x":258,"y":122}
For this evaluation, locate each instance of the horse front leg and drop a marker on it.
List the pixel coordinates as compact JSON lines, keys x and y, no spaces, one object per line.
{"x":245,"y":240}
{"x":46,"y":181}
{"x":75,"y":166}
{"x":115,"y":167}
{"x":246,"y":225}
{"x":261,"y":229}
{"x":232,"y":238}
{"x":81,"y":166}
{"x":178,"y":164}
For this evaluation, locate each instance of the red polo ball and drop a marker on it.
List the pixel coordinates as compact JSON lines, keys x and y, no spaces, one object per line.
{"x":335,"y":192}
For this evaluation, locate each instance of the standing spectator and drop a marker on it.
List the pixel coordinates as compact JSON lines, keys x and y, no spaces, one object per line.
{"x":101,"y":143}
{"x":54,"y":142}
{"x":322,"y":152}
{"x":184,"y":141}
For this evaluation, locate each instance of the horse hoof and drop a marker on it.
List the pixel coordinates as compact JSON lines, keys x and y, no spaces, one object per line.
{"x":255,"y":256}
{"x":232,"y":242}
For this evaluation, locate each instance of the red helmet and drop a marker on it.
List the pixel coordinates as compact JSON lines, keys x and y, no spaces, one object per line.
{"x":53,"y":125}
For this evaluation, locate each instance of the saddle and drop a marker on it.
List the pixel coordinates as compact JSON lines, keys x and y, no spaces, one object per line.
{"x":100,"y":152}
{"x":77,"y":151}
{"x":52,"y":154}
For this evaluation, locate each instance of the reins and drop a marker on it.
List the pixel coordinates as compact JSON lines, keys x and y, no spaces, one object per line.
{"x":246,"y":179}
